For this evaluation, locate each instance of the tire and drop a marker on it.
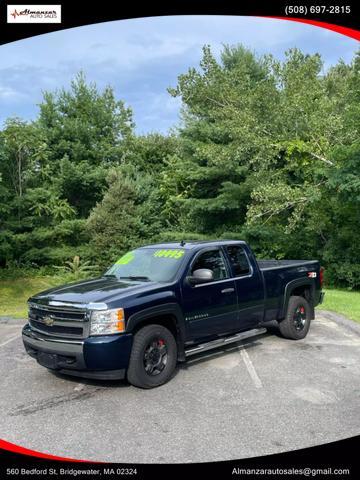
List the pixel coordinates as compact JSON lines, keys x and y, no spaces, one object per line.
{"x":296,"y":324}
{"x":153,"y":357}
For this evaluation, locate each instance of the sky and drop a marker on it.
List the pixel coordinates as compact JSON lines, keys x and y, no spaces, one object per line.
{"x":140,"y":58}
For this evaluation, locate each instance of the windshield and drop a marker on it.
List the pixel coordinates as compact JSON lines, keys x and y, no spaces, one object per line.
{"x":148,"y":264}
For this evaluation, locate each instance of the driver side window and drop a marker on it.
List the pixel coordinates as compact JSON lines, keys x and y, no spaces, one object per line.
{"x":212,"y":260}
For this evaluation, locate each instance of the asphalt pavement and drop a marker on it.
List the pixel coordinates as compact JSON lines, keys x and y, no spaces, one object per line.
{"x":265,"y":396}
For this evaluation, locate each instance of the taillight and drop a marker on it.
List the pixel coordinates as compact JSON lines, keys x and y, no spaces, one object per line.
{"x":321,"y":276}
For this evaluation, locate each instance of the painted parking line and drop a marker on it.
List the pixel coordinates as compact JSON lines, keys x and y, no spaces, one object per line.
{"x":250,"y":368}
{"x":9,"y":340}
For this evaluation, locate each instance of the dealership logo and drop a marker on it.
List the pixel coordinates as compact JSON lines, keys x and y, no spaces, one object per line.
{"x":34,"y":13}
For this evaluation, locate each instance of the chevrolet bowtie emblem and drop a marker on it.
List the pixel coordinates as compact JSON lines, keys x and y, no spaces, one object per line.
{"x":48,"y":320}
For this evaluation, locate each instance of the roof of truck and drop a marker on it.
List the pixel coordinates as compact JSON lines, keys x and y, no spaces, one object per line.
{"x":189,"y":244}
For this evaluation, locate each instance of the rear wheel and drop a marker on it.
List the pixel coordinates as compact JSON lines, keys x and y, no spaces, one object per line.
{"x":153,"y":357}
{"x":296,"y":324}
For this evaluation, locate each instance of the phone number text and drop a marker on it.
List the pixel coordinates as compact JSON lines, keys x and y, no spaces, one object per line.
{"x":306,"y":9}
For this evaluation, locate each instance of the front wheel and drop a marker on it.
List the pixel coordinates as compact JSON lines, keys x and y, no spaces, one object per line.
{"x":296,"y":324}
{"x":153,"y":357}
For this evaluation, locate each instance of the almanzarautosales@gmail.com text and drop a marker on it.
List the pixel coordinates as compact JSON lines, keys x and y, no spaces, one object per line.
{"x":34,"y":14}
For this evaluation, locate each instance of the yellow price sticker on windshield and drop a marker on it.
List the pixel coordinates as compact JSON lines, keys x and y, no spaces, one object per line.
{"x":125,"y":259}
{"x":170,"y":253}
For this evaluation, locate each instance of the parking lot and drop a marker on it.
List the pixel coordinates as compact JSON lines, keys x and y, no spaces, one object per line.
{"x":261,"y":397}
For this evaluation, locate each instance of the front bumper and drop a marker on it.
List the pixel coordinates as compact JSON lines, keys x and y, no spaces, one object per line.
{"x":102,"y":357}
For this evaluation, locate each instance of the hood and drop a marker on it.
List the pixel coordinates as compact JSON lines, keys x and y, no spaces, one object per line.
{"x":97,"y":290}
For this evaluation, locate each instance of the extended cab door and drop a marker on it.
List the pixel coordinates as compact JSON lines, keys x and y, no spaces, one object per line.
{"x":210,"y":308}
{"x":249,"y":286}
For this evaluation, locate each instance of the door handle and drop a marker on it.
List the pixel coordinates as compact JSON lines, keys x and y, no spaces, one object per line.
{"x":228,"y":290}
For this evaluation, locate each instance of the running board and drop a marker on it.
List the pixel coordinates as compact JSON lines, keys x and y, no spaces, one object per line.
{"x":203,"y":347}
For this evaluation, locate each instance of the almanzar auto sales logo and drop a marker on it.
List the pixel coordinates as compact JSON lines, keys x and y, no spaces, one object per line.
{"x":34,"y":14}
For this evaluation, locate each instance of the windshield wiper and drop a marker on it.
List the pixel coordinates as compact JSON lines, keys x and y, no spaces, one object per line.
{"x":109,"y":275}
{"x":136,"y":277}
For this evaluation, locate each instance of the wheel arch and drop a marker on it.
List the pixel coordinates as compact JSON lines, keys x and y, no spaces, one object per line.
{"x":168,"y":315}
{"x":301,"y":287}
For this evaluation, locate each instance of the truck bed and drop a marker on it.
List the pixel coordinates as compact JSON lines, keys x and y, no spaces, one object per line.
{"x":277,"y":274}
{"x":270,"y":264}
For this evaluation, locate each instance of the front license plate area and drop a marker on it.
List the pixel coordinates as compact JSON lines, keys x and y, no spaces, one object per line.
{"x":47,"y":360}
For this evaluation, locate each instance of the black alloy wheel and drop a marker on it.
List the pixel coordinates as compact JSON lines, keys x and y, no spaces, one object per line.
{"x":155,"y":356}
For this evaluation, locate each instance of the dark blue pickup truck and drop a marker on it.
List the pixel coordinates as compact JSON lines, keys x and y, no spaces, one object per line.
{"x":159,"y":304}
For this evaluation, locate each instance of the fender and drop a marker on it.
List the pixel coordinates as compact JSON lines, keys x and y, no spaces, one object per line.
{"x":165,"y":309}
{"x":289,"y":288}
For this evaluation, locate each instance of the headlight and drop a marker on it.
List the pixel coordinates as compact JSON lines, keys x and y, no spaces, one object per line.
{"x":106,"y":322}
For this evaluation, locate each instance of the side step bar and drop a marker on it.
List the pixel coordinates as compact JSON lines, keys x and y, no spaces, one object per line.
{"x":203,"y":347}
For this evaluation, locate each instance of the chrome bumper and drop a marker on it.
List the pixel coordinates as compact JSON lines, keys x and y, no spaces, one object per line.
{"x":104,"y":359}
{"x":53,"y":352}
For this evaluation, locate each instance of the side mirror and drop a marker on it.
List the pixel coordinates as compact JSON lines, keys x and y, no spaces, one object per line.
{"x":201,"y":275}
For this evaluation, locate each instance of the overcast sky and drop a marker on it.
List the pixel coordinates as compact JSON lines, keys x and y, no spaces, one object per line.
{"x":141,"y":58}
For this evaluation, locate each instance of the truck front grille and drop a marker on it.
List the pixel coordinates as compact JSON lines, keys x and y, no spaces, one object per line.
{"x":61,"y":321}
{"x":56,"y":328}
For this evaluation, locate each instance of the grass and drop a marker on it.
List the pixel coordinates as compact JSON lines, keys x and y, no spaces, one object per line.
{"x":345,"y":302}
{"x":15,"y":292}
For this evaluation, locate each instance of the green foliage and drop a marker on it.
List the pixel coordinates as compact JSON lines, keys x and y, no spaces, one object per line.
{"x":76,"y":269}
{"x":126,"y":217}
{"x":149,"y":153}
{"x":53,"y":172}
{"x":81,"y":184}
{"x":267,"y":151}
{"x":83,"y":124}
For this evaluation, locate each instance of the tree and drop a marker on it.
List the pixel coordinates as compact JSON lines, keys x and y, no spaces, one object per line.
{"x":259,"y":157}
{"x":85,"y":124}
{"x":54,"y":172}
{"x":87,"y":132}
{"x":266,"y":150}
{"x":228,"y":115}
{"x":126,"y":217}
{"x":22,"y":150}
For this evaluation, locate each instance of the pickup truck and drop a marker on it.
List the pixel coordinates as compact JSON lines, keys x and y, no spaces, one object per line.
{"x":159,"y":304}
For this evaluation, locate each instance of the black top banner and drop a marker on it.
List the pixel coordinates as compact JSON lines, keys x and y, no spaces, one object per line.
{"x":19,"y":21}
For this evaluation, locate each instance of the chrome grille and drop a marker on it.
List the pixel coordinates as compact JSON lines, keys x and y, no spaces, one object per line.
{"x":62,"y":321}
